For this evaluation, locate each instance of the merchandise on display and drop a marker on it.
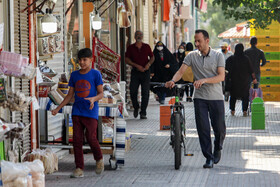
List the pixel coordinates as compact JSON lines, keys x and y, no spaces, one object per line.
{"x":16,"y":101}
{"x":47,"y":156}
{"x":13,"y":64}
{"x":29,"y":174}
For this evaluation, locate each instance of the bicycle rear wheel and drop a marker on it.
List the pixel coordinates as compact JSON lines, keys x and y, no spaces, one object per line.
{"x":177,"y":140}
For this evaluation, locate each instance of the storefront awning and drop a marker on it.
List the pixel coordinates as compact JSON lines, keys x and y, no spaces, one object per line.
{"x":241,"y":30}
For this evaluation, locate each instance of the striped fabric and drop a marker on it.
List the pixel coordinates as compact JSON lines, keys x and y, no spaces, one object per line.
{"x":120,"y":141}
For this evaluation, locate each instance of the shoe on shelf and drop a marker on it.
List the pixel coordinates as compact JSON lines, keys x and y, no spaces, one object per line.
{"x":135,"y":113}
{"x":232,"y":112}
{"x":143,"y":116}
{"x":78,"y":173}
{"x":208,"y":164}
{"x":99,"y":166}
{"x":217,"y":156}
{"x":245,"y":114}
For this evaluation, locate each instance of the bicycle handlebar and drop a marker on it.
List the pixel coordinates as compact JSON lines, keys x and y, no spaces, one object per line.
{"x":177,"y":85}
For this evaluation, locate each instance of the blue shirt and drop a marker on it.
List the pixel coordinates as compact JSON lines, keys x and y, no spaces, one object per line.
{"x":85,"y":85}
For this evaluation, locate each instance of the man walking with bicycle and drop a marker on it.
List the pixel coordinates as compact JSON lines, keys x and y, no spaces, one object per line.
{"x":208,"y":68}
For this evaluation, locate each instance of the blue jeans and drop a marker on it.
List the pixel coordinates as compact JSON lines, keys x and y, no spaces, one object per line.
{"x":215,"y":109}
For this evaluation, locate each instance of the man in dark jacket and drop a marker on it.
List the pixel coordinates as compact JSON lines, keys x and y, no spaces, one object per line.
{"x":256,"y":56}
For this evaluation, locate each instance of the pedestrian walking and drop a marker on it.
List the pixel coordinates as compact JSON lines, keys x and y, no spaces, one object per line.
{"x":187,"y":77}
{"x":239,"y":70}
{"x":257,"y":59}
{"x":140,"y":56}
{"x":224,"y":50}
{"x":208,"y":67}
{"x":87,"y":86}
{"x":163,"y":69}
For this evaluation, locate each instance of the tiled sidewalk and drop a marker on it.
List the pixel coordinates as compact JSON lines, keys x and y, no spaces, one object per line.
{"x":249,"y":158}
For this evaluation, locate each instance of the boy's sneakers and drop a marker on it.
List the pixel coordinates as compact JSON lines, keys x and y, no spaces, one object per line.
{"x":77,"y":173}
{"x":99,"y":166}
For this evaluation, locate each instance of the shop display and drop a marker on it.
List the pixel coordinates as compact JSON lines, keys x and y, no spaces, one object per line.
{"x":16,"y":101}
{"x":108,"y":63}
{"x":55,"y":97}
{"x":49,"y":45}
{"x":28,"y":174}
{"x":47,"y":156}
{"x":2,"y":90}
{"x":107,"y":126}
{"x":13,"y":64}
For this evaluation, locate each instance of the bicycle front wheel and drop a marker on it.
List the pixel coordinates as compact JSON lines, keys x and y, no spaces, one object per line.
{"x":177,"y":140}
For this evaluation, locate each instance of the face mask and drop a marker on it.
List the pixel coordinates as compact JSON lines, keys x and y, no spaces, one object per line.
{"x":181,"y":50}
{"x":223,"y":50}
{"x":159,"y":48}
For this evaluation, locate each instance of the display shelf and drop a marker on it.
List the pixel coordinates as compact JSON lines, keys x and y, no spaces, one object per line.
{"x":49,"y":74}
{"x":47,"y":84}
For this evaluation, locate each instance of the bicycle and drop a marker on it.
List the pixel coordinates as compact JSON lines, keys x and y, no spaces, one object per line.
{"x":177,"y":123}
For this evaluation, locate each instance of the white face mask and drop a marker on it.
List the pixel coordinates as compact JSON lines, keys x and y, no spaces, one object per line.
{"x":181,"y":50}
{"x":159,"y":48}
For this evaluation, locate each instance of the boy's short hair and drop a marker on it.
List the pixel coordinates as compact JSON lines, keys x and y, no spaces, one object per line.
{"x":84,"y":53}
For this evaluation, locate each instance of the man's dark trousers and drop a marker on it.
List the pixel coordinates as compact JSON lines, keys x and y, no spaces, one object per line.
{"x":216,"y":110}
{"x":140,"y":78}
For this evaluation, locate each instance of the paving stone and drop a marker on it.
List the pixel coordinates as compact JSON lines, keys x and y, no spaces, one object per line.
{"x":249,"y":157}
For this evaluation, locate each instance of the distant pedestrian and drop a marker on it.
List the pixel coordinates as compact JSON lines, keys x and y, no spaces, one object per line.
{"x":257,"y":58}
{"x":87,"y":86}
{"x":163,"y":69}
{"x":208,"y":67}
{"x":188,"y":75}
{"x":224,"y":50}
{"x":239,"y":70}
{"x":140,"y":56}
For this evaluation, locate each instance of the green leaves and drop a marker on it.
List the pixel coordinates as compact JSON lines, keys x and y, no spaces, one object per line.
{"x":263,"y":12}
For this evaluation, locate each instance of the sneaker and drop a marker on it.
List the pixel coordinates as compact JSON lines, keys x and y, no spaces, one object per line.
{"x":232,"y":112}
{"x":99,"y":166}
{"x":78,"y":173}
{"x":245,"y":114}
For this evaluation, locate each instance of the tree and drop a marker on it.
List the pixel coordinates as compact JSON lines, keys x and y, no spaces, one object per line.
{"x":215,"y":22}
{"x":260,"y":12}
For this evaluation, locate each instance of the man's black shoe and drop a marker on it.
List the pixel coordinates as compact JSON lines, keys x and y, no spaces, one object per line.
{"x":143,"y":117}
{"x":208,"y":164}
{"x":217,"y":156}
{"x":135,"y":113}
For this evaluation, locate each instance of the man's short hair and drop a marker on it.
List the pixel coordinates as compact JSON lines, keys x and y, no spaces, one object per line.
{"x":84,"y":53}
{"x":253,"y":41}
{"x":204,"y":32}
{"x":137,"y":32}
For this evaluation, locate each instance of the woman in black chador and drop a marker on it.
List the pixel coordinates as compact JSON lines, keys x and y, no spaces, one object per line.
{"x":240,"y":69}
{"x":163,"y":69}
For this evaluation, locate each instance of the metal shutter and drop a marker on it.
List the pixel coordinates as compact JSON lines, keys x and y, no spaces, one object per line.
{"x":56,"y":123}
{"x":21,"y":45}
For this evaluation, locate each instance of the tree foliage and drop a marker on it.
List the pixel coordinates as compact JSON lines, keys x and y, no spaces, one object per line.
{"x":215,"y":22}
{"x":261,"y":12}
